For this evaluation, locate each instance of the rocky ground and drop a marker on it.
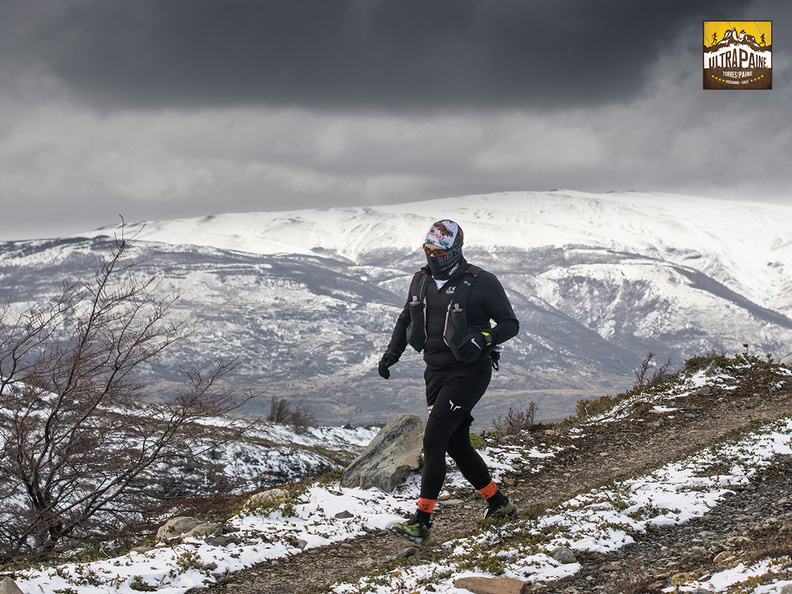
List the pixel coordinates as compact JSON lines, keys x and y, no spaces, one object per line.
{"x":755,"y":521}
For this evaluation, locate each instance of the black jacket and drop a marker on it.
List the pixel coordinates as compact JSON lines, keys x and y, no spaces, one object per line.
{"x":431,"y":326}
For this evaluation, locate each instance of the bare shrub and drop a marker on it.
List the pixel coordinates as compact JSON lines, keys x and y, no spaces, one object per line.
{"x":280,"y":410}
{"x":661,"y":375}
{"x":513,"y":422}
{"x":300,"y":417}
{"x":585,"y":409}
{"x":79,"y":451}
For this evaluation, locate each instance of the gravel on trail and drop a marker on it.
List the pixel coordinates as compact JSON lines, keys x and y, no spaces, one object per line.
{"x":746,"y":523}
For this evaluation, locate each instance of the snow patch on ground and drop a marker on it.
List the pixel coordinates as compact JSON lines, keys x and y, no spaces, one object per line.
{"x":600,"y":520}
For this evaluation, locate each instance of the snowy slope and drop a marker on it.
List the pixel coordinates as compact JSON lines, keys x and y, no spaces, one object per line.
{"x":306,"y":300}
{"x":746,"y":245}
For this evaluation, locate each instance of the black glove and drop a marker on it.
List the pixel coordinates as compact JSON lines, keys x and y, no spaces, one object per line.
{"x":473,"y":345}
{"x":386,"y":361}
{"x":495,"y":359}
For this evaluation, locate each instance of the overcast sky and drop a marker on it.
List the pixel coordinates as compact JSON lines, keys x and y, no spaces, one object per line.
{"x":156,"y":109}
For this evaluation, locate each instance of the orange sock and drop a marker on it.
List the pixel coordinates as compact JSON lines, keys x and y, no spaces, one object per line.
{"x":489,"y":490}
{"x":426,"y":505}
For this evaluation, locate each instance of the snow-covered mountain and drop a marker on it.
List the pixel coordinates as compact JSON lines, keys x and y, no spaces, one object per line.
{"x":307,"y":299}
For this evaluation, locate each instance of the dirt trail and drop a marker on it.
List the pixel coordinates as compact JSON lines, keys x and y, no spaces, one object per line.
{"x":611,"y":450}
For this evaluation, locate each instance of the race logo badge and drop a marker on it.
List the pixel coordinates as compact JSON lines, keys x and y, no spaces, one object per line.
{"x":738,"y":55}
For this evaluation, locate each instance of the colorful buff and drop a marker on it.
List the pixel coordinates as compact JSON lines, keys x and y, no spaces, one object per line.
{"x":445,"y":234}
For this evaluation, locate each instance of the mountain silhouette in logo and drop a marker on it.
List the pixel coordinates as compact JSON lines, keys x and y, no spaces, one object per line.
{"x":731,"y":37}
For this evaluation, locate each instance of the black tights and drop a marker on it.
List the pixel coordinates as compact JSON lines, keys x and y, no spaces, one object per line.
{"x":451,"y":436}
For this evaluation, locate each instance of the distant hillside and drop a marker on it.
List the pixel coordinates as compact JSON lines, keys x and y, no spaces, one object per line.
{"x":306,"y":300}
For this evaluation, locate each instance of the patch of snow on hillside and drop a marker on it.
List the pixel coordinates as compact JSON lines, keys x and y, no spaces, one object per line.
{"x":599,"y":520}
{"x":269,"y":533}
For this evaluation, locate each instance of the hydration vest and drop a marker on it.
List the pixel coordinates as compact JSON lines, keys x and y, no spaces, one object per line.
{"x":456,"y":324}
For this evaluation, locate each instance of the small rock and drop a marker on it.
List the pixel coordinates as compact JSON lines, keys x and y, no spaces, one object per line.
{"x":485,"y":585}
{"x":207,"y":529}
{"x":563,"y":555}
{"x":272,"y":495}
{"x":344,"y":515}
{"x":222,"y":541}
{"x":610,"y":567}
{"x":175,"y":527}
{"x":298,"y":543}
{"x":401,"y":554}
{"x":8,"y":586}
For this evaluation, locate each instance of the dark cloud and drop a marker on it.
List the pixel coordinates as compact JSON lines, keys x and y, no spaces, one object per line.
{"x":168,"y":108}
{"x":340,"y":54}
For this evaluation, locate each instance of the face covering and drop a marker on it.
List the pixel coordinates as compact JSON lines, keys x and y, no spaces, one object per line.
{"x":447,"y":235}
{"x":444,"y":266}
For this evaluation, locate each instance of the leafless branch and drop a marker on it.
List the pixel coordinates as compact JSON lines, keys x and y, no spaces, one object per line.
{"x":81,"y":447}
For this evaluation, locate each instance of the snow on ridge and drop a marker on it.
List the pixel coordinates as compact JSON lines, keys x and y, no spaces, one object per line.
{"x":519,"y":219}
{"x":741,"y":243}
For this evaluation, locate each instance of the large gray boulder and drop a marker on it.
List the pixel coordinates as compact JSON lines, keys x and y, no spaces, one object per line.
{"x":390,"y":457}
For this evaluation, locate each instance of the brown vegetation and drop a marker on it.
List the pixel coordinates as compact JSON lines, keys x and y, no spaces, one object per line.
{"x":78,"y":448}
